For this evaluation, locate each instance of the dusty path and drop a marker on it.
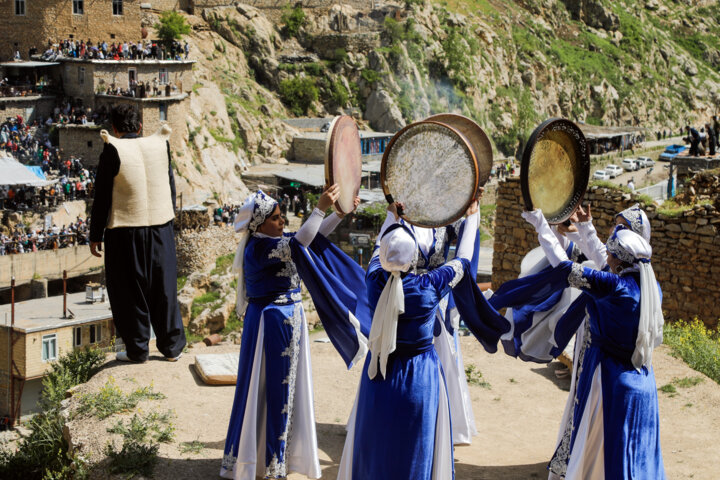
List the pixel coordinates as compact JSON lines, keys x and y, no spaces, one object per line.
{"x":517,"y":416}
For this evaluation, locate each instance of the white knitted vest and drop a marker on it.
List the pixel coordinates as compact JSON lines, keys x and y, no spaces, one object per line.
{"x":141,"y":189}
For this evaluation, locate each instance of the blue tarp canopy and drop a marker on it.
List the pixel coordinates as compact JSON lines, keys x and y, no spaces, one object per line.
{"x":37,"y":171}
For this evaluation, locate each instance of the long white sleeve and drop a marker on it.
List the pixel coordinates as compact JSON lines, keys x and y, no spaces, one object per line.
{"x":467,"y":242}
{"x":389,"y":220}
{"x":591,"y":245}
{"x":329,"y":224}
{"x":306,"y":234}
{"x":549,"y":243}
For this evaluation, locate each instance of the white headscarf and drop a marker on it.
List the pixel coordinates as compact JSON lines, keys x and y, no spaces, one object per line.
{"x":255,"y":210}
{"x":398,"y":253}
{"x":637,"y":220}
{"x":631,"y":248}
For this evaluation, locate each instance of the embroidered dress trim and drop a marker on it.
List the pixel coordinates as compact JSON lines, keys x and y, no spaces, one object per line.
{"x":438,"y":257}
{"x":576,"y":252}
{"x":278,"y":468}
{"x":576,"y":278}
{"x":559,"y":462}
{"x":282,"y":252}
{"x":229,"y":460}
{"x":457,"y":267}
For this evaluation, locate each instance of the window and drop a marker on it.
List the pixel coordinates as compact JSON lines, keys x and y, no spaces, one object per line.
{"x":19,"y":7}
{"x":117,"y":7}
{"x":89,"y":144}
{"x":163,"y":112}
{"x":78,"y":7}
{"x":77,"y":336}
{"x":81,"y":75}
{"x":95,"y":333}
{"x":163,"y":76}
{"x":49,"y":347}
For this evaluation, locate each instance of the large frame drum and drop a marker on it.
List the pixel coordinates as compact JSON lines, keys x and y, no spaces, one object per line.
{"x":430,"y":167}
{"x":343,"y":161}
{"x":555,"y":169}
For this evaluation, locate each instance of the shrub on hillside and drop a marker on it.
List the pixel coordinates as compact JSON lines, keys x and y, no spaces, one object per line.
{"x":298,"y":94}
{"x":292,"y":19}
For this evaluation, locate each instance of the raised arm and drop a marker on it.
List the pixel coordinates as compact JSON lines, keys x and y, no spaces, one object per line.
{"x":309,"y":229}
{"x":592,"y":247}
{"x":548,"y":241}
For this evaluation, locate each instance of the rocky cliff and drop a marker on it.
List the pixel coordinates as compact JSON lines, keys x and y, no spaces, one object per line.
{"x":507,"y":64}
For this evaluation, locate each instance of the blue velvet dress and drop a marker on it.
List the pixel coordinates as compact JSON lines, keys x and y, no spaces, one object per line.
{"x":274,"y":333}
{"x":395,"y":430}
{"x":613,"y":430}
{"x":272,"y":424}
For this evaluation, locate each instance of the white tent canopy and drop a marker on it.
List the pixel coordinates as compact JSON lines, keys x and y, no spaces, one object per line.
{"x":13,"y":172}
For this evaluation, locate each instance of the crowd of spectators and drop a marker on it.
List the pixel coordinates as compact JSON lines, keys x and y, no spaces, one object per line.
{"x":87,"y":50}
{"x":24,"y":86}
{"x":142,"y":89}
{"x":24,"y":240}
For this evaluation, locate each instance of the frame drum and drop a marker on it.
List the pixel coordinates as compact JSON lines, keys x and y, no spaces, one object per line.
{"x":430,"y":167}
{"x":343,"y":161}
{"x":555,"y":169}
{"x":475,"y":136}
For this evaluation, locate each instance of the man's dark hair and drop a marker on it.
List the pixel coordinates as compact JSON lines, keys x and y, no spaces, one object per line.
{"x":125,"y":118}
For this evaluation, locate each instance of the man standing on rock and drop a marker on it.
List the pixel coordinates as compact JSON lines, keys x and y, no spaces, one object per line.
{"x":135,"y":206}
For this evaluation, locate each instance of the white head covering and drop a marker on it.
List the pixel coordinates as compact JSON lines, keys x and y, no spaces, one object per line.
{"x":631,"y":248}
{"x":637,"y":220}
{"x":398,"y":253}
{"x":255,"y":210}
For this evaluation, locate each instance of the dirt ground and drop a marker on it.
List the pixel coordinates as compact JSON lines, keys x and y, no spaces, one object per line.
{"x":517,"y":416}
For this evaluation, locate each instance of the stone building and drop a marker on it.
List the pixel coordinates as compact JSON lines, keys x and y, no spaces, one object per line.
{"x":39,"y":336}
{"x":33,"y":23}
{"x":82,"y":141}
{"x":30,"y":91}
{"x":685,"y":246}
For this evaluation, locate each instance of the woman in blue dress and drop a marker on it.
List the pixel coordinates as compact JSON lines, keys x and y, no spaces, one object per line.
{"x":433,"y":250}
{"x":272,"y":424}
{"x":613,"y":428}
{"x":401,"y":426}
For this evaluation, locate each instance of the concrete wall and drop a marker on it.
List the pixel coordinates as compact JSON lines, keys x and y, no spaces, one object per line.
{"x":47,"y":264}
{"x":82,"y":141}
{"x":685,"y":248}
{"x":28,"y":107}
{"x":54,"y":20}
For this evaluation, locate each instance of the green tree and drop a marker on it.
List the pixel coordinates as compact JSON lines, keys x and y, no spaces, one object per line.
{"x":172,"y":26}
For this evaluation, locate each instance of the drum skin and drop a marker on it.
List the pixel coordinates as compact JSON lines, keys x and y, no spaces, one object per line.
{"x":343,"y":161}
{"x":476,"y":137}
{"x":430,"y":167}
{"x":555,"y":169}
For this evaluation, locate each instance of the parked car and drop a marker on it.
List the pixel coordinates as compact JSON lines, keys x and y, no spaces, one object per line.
{"x":601,"y":175}
{"x":613,"y":170}
{"x":629,"y":164}
{"x":644,"y":162}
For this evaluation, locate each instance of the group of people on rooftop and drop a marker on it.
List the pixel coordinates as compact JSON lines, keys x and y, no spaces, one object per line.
{"x":87,"y":50}
{"x":24,"y":239}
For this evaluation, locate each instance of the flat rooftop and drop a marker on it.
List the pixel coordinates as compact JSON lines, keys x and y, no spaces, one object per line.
{"x":363,"y":134}
{"x":46,"y":313}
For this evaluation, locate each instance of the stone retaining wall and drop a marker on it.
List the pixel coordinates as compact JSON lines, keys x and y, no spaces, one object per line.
{"x":685,"y":247}
{"x":197,"y":250}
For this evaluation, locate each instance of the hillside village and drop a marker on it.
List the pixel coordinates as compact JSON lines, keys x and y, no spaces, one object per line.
{"x":248,"y":90}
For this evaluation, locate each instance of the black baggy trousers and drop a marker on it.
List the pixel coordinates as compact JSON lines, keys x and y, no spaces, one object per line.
{"x":141,"y":277}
